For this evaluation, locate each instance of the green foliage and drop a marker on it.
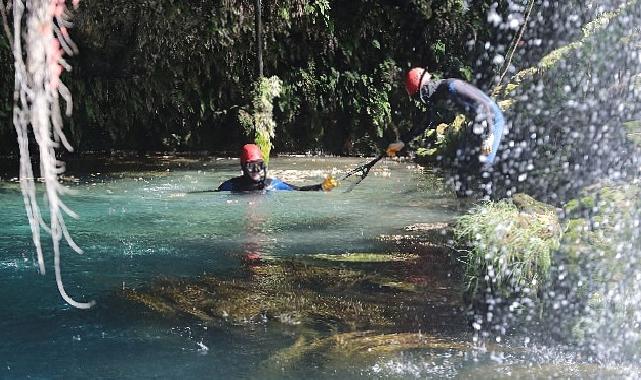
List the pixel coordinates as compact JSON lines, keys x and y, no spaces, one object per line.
{"x":439,"y":49}
{"x":168,"y":74}
{"x":263,"y":140}
{"x":466,"y":73}
{"x":261,"y":123}
{"x":7,"y":134}
{"x":319,"y":9}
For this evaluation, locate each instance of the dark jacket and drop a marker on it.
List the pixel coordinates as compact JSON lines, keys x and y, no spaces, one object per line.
{"x":469,"y":99}
{"x":242,"y":183}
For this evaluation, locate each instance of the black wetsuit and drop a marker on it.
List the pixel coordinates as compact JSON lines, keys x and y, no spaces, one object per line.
{"x":242,"y":183}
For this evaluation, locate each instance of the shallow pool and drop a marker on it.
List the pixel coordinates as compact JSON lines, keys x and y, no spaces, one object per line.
{"x":139,"y":222}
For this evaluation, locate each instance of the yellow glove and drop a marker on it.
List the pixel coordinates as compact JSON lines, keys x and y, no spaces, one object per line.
{"x":329,"y":183}
{"x":393,"y":148}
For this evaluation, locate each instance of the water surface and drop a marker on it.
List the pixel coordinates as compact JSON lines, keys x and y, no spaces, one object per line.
{"x":138,"y":225}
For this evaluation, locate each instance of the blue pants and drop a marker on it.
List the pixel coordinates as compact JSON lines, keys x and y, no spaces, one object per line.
{"x":499,"y":125}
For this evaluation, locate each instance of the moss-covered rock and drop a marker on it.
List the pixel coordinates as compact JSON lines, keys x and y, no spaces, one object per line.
{"x":299,"y":293}
{"x":366,"y":346}
{"x":596,"y":270}
{"x":442,"y":140}
{"x":584,"y":266}
{"x":366,"y":257}
{"x":633,"y":128}
{"x":590,"y":31}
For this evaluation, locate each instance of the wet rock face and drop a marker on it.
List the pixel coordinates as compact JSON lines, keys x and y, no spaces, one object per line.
{"x":594,"y":302}
{"x":527,"y":204}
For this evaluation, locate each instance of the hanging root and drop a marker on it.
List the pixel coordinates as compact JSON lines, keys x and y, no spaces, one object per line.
{"x":37,"y":95}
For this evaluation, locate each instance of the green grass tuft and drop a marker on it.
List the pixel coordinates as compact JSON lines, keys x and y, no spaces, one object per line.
{"x":510,"y":249}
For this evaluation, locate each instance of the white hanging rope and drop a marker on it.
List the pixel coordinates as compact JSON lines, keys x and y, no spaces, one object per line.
{"x":37,"y":92}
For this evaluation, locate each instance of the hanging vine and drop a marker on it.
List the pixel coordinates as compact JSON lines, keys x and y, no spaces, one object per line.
{"x":40,"y":39}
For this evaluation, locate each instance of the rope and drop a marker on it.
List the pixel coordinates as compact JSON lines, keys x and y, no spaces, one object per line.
{"x":515,"y":44}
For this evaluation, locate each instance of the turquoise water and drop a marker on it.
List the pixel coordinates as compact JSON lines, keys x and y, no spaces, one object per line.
{"x":135,"y":226}
{"x":139,"y":224}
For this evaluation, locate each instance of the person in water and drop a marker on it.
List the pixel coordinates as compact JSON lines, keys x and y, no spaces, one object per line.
{"x":488,"y":118}
{"x":255,"y":176}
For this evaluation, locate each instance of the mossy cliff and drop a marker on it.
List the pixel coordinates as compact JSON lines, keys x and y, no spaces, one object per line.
{"x":574,"y":268}
{"x":572,"y":117}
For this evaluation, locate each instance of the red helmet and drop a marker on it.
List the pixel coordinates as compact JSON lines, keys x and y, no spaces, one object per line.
{"x":413,"y":80}
{"x":250,"y":152}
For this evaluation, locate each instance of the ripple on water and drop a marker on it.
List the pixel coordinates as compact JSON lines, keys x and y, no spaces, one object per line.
{"x":17,"y":264}
{"x":133,"y":228}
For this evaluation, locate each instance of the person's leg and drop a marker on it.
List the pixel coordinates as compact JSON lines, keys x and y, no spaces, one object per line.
{"x":466,"y":166}
{"x":497,"y":133}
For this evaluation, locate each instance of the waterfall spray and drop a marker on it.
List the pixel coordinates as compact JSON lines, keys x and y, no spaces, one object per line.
{"x":38,"y":55}
{"x":574,"y":114}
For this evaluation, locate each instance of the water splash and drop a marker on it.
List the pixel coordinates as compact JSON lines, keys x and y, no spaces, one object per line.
{"x":574,"y":113}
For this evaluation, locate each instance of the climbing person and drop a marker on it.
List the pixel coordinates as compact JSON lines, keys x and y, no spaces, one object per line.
{"x":488,"y":121}
{"x":254,"y":176}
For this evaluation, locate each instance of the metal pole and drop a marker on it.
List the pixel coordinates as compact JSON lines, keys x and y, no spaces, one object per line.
{"x":259,"y":38}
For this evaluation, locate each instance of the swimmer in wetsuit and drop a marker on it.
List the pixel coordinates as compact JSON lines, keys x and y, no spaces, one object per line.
{"x":488,"y":125}
{"x":255,"y":176}
{"x":488,"y":118}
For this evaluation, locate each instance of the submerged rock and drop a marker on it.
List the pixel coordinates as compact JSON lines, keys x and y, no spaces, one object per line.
{"x":357,"y":306}
{"x":325,"y":297}
{"x":362,"y":347}
{"x":366,"y":257}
